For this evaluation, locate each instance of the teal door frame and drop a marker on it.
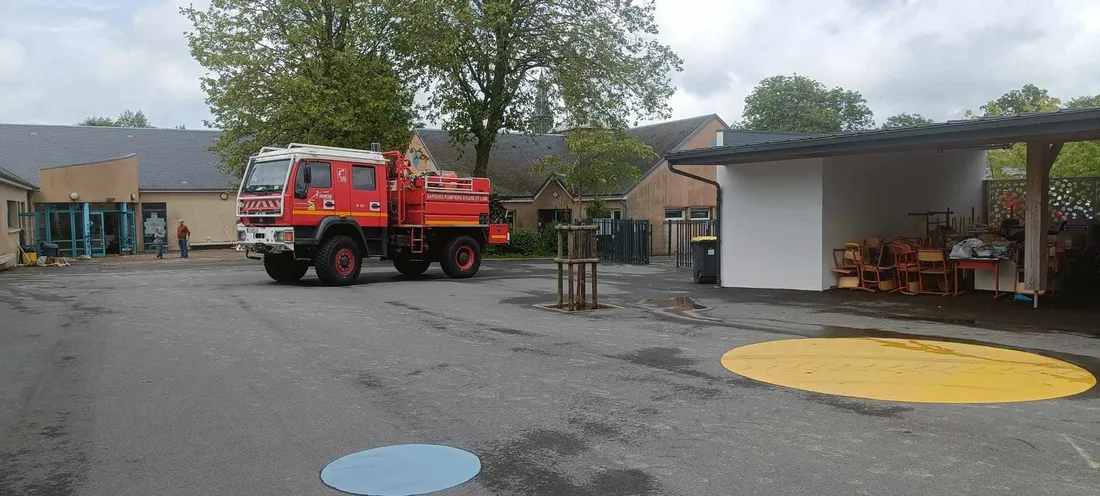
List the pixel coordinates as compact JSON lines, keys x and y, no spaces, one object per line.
{"x":97,"y":237}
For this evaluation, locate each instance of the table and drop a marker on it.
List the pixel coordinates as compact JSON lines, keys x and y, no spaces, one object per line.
{"x":993,"y":264}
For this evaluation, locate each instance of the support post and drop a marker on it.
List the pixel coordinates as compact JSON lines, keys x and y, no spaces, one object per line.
{"x":87,"y":229}
{"x":1040,"y":158}
{"x":574,"y":256}
{"x":124,"y":228}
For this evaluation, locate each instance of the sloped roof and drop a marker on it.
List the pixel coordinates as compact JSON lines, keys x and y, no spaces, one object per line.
{"x":1063,"y":125}
{"x":11,"y":176}
{"x":511,"y":157}
{"x":514,"y":153}
{"x":168,"y":159}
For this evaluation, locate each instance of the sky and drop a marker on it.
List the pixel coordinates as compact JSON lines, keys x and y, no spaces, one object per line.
{"x":63,"y":60}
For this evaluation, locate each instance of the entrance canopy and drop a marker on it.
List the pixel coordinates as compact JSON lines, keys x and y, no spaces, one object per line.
{"x":1043,"y":132}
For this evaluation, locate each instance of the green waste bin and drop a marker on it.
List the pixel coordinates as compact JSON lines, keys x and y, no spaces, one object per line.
{"x":704,"y":263}
{"x":49,"y":250}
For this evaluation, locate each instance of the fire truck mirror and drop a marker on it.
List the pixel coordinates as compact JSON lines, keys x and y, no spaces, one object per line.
{"x":307,"y":174}
{"x":300,"y":191}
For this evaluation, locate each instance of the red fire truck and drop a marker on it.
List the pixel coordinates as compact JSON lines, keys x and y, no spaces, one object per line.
{"x":329,"y":208}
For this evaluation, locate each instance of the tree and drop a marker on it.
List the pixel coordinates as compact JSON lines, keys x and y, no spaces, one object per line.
{"x":800,"y":104}
{"x":1075,"y":159}
{"x":905,"y":120}
{"x":127,"y":118}
{"x":600,"y":161}
{"x":326,"y":72}
{"x":600,"y":60}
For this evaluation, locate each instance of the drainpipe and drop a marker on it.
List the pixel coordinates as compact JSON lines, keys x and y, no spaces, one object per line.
{"x":718,"y":208}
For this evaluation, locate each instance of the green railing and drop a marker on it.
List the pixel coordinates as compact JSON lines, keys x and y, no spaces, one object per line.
{"x":628,"y":241}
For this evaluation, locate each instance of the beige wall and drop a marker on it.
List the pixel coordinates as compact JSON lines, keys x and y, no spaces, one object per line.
{"x":95,"y":182}
{"x":9,"y":236}
{"x":426,"y":163}
{"x":663,"y":189}
{"x":526,"y":212}
{"x":211,"y":219}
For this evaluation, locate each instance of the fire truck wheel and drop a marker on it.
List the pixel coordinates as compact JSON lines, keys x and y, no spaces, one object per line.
{"x":411,"y":267}
{"x":461,"y":258}
{"x":284,"y":268}
{"x":338,"y":261}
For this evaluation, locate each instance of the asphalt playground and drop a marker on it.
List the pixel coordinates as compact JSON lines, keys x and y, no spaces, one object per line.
{"x":201,"y":376}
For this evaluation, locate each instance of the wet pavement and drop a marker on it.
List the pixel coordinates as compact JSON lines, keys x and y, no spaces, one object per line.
{"x":203,"y":377}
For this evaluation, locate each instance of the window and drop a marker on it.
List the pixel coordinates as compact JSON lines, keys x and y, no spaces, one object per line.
{"x":363,"y":178}
{"x":674,"y":213}
{"x":510,"y":217}
{"x":320,"y":175}
{"x":616,"y":213}
{"x":700,"y":213}
{"x":14,"y":209}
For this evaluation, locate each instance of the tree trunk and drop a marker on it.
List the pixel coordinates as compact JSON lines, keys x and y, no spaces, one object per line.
{"x":481,"y":160}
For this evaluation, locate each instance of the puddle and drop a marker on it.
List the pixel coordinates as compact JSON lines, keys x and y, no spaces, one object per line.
{"x":679,"y":306}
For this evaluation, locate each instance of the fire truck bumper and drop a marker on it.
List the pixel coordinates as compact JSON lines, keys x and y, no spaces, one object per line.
{"x":266,"y":239}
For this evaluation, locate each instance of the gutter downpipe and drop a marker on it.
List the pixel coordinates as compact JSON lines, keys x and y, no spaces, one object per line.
{"x":718,"y":207}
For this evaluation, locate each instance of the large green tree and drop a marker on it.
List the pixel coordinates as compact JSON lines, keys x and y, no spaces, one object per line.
{"x":799,"y":104}
{"x":128,"y":118}
{"x":905,"y":120}
{"x":599,"y":61}
{"x":600,"y":161}
{"x":1075,"y":159}
{"x":327,"y":72}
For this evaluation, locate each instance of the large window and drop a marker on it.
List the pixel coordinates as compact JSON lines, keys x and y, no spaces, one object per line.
{"x":363,"y":178}
{"x":510,"y":217}
{"x":700,"y":213}
{"x":13,"y":214}
{"x":674,"y":214}
{"x":153,"y":215}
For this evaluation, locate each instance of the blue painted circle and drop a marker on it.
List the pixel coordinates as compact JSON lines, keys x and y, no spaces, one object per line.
{"x":401,"y":470}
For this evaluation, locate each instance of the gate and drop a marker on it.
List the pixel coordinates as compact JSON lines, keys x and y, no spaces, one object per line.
{"x":628,"y":241}
{"x":680,"y":233}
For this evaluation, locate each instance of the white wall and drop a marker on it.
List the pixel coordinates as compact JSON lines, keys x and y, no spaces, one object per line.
{"x":870,"y":195}
{"x":771,"y":224}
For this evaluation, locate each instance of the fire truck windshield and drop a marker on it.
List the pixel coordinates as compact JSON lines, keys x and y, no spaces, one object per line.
{"x":267,"y":177}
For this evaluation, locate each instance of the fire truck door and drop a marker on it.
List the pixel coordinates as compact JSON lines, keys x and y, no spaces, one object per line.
{"x":368,"y":200}
{"x":319,"y":199}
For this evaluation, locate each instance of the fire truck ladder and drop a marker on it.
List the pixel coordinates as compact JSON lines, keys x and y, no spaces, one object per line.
{"x":416,"y":241}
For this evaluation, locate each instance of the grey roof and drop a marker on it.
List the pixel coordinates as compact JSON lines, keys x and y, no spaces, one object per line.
{"x":509,"y":161}
{"x":735,"y":137}
{"x":1063,"y":125}
{"x":11,"y":176}
{"x":168,"y":159}
{"x":513,"y":154}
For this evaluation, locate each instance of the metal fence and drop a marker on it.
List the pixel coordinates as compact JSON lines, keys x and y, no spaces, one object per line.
{"x":680,"y":233}
{"x":628,"y":241}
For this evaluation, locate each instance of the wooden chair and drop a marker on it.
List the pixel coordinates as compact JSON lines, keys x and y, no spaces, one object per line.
{"x":847,"y":263}
{"x":933,"y":263}
{"x":876,"y":273}
{"x":905,"y":267}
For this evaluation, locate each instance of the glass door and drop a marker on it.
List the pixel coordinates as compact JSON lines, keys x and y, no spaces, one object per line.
{"x":96,"y":237}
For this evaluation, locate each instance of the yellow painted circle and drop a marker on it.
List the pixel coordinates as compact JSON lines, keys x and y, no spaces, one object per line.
{"x":908,"y":370}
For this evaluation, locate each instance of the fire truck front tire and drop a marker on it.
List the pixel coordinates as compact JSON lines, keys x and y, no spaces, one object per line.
{"x":338,"y":261}
{"x":461,"y":258}
{"x":284,"y":268}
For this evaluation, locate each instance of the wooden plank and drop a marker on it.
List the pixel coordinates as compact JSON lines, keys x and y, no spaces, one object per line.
{"x":1036,"y":218}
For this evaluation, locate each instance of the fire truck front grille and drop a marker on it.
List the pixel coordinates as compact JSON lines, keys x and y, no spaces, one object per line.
{"x":261,"y":220}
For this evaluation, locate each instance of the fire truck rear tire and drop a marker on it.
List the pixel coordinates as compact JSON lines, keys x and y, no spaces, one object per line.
{"x":338,"y":261}
{"x":461,"y":258}
{"x":284,"y":268}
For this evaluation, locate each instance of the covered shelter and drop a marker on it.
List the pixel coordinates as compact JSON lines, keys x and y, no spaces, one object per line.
{"x":784,"y":204}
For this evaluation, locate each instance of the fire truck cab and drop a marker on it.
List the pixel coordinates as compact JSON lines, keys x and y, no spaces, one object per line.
{"x":330,"y":208}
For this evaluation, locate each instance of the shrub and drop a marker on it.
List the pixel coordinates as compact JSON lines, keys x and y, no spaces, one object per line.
{"x":548,"y":240}
{"x":597,"y":210}
{"x":524,"y":241}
